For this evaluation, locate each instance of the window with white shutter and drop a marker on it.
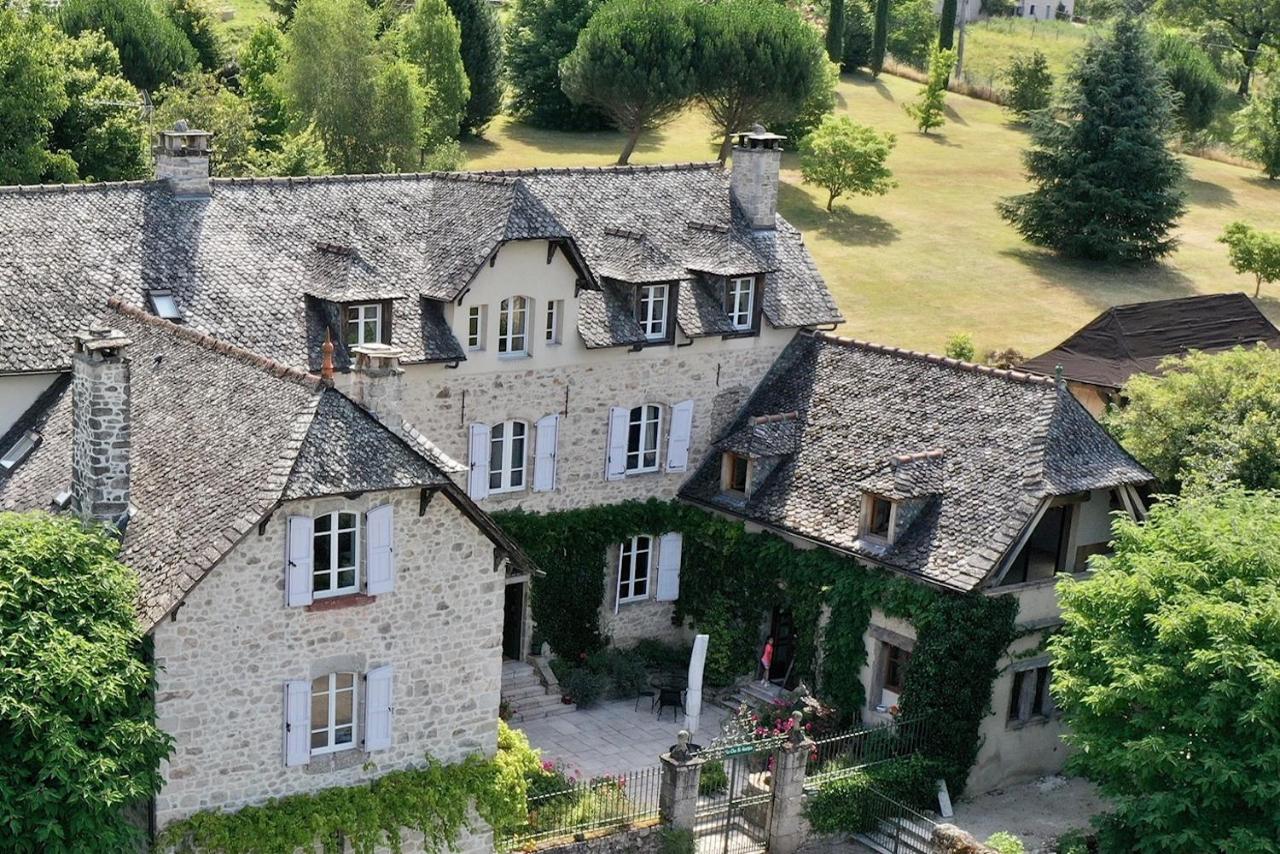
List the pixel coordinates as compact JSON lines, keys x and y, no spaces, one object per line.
{"x":670,"y":547}
{"x":616,"y":462}
{"x":299,"y":561}
{"x":297,"y":722}
{"x":544,"y":453}
{"x":380,"y":573}
{"x":378,"y":708}
{"x":478,"y":481}
{"x":679,"y":435}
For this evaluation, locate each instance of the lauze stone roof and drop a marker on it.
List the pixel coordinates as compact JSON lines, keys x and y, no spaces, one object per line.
{"x":260,"y":263}
{"x":972,"y":449}
{"x":219,"y":437}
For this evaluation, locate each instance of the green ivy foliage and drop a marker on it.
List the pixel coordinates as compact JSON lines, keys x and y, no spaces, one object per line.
{"x":432,"y":800}
{"x":730,"y":579}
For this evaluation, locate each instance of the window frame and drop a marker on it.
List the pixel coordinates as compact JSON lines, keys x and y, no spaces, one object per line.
{"x":644,"y":410}
{"x":1035,"y":705}
{"x":18,"y":451}
{"x":509,"y":310}
{"x":896,"y":658}
{"x":654,"y":326}
{"x":331,"y":727}
{"x":554,"y":322}
{"x":729,"y":473}
{"x":332,"y":534}
{"x":164,"y":304}
{"x":477,"y":315}
{"x":507,"y":442}
{"x":357,"y":315}
{"x":631,"y":549}
{"x":869,"y":502}
{"x":734,"y":293}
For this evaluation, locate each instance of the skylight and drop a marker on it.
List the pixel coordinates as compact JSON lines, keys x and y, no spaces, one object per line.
{"x":18,"y":450}
{"x":164,"y":305}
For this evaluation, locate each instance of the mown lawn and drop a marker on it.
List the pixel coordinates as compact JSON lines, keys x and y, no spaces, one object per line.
{"x":932,"y":257}
{"x":990,"y":44}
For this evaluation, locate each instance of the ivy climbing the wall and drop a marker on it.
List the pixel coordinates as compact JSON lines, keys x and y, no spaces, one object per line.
{"x":731,"y":579}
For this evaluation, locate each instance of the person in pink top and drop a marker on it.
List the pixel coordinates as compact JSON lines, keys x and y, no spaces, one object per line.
{"x":766,"y":659}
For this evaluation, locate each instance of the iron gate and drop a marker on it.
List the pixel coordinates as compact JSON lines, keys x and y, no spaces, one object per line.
{"x":735,"y":801}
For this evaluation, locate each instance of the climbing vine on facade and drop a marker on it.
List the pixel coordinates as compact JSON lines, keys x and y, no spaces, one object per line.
{"x":731,"y":579}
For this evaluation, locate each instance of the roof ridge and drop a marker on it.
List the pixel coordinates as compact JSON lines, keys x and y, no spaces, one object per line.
{"x":478,"y":177}
{"x":943,"y":361}
{"x":217,"y":345}
{"x":87,"y":187}
{"x":530,"y":171}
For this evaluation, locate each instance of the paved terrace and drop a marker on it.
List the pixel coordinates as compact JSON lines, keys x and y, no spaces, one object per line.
{"x":614,"y":737}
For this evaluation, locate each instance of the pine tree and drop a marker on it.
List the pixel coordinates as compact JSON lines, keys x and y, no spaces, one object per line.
{"x":1105,"y":184}
{"x":835,"y":31}
{"x":947,"y":25}
{"x":879,"y":37}
{"x":482,"y":59}
{"x":539,"y":35}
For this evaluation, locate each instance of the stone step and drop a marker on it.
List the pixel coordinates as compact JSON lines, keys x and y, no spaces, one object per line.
{"x":521,"y":681}
{"x":522,"y":693}
{"x":539,"y":701}
{"x":547,"y":712}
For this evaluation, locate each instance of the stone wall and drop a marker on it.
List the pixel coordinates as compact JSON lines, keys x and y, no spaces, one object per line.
{"x":100,"y":435}
{"x":225,"y":658}
{"x":637,"y":840}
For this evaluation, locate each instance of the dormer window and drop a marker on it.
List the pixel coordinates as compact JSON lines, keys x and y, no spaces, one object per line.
{"x":739,"y":302}
{"x":877,"y":517}
{"x":364,"y":324}
{"x":735,"y":472}
{"x":164,"y":305}
{"x":651,"y":310}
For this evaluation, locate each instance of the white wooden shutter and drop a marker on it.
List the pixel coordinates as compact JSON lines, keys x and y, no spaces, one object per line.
{"x":616,"y":463}
{"x":297,"y":722}
{"x":478,"y":485}
{"x":678,"y":438}
{"x":544,"y":453}
{"x":670,"y":547}
{"x":378,"y":702}
{"x":299,"y":560}
{"x":380,"y":570}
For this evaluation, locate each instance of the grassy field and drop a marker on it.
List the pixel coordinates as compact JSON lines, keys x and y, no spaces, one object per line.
{"x":932,"y":257}
{"x":990,"y":44}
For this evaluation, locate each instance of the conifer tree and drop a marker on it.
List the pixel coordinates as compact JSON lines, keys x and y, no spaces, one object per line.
{"x":947,"y":25}
{"x":835,"y":31}
{"x":1105,"y":186}
{"x":879,"y":37}
{"x":482,"y":60}
{"x":539,"y":34}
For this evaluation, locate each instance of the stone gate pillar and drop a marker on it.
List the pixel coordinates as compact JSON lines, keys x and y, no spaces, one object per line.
{"x":678,"y":799}
{"x":787,"y":826}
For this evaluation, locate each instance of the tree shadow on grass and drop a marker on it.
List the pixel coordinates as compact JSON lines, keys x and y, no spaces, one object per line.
{"x":950,"y":112}
{"x":938,"y":139}
{"x":1104,"y":285}
{"x":606,"y":143}
{"x":1262,"y":182}
{"x":1208,"y":194}
{"x":866,"y":81}
{"x":842,"y":225}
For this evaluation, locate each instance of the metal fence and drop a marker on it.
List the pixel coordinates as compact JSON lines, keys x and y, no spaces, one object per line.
{"x":571,"y":810}
{"x":847,"y":753}
{"x":895,"y":827}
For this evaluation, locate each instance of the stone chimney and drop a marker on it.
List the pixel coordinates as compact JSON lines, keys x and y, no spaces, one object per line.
{"x":100,"y":425}
{"x":375,"y":381}
{"x":182,"y":159}
{"x":757,"y":157}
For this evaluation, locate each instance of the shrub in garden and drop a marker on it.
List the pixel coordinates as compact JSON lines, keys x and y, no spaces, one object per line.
{"x":1190,"y":72}
{"x":584,"y":686}
{"x":1257,"y":129}
{"x":1004,"y":842}
{"x":1028,"y":84}
{"x":960,"y":346}
{"x":713,"y":780}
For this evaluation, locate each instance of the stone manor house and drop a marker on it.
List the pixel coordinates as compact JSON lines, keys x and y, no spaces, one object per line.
{"x":299,"y":399}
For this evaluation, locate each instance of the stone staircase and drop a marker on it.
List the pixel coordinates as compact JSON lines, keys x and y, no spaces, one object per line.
{"x":752,"y":693}
{"x":525,"y":694}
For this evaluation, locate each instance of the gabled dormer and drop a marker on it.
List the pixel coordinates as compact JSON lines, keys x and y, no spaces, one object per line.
{"x":349,"y":301}
{"x":748,"y":456}
{"x":894,"y":497}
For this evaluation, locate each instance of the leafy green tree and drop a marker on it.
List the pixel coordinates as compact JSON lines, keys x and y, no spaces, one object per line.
{"x":80,"y":740}
{"x":835,"y":31}
{"x":1166,"y":669}
{"x":294,"y":154}
{"x":1252,"y":25}
{"x":102,"y":128}
{"x":1257,"y":129}
{"x":753,"y":62}
{"x":1105,"y":185}
{"x":153,"y":50}
{"x":1209,"y":418}
{"x":539,"y":35}
{"x":912,"y":32}
{"x":430,"y":39}
{"x":947,"y":25}
{"x":1028,"y":84}
{"x":482,"y":59}
{"x":960,"y":346}
{"x":928,"y":111}
{"x":396,"y":121}
{"x":205,"y":104}
{"x":879,"y":36}
{"x":196,"y":20}
{"x":1190,"y":73}
{"x":820,"y":103}
{"x":32,"y":96}
{"x":1253,"y":251}
{"x":846,"y":158}
{"x":857,"y":36}
{"x":260,"y":59}
{"x":330,"y":78}
{"x":634,"y":60}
